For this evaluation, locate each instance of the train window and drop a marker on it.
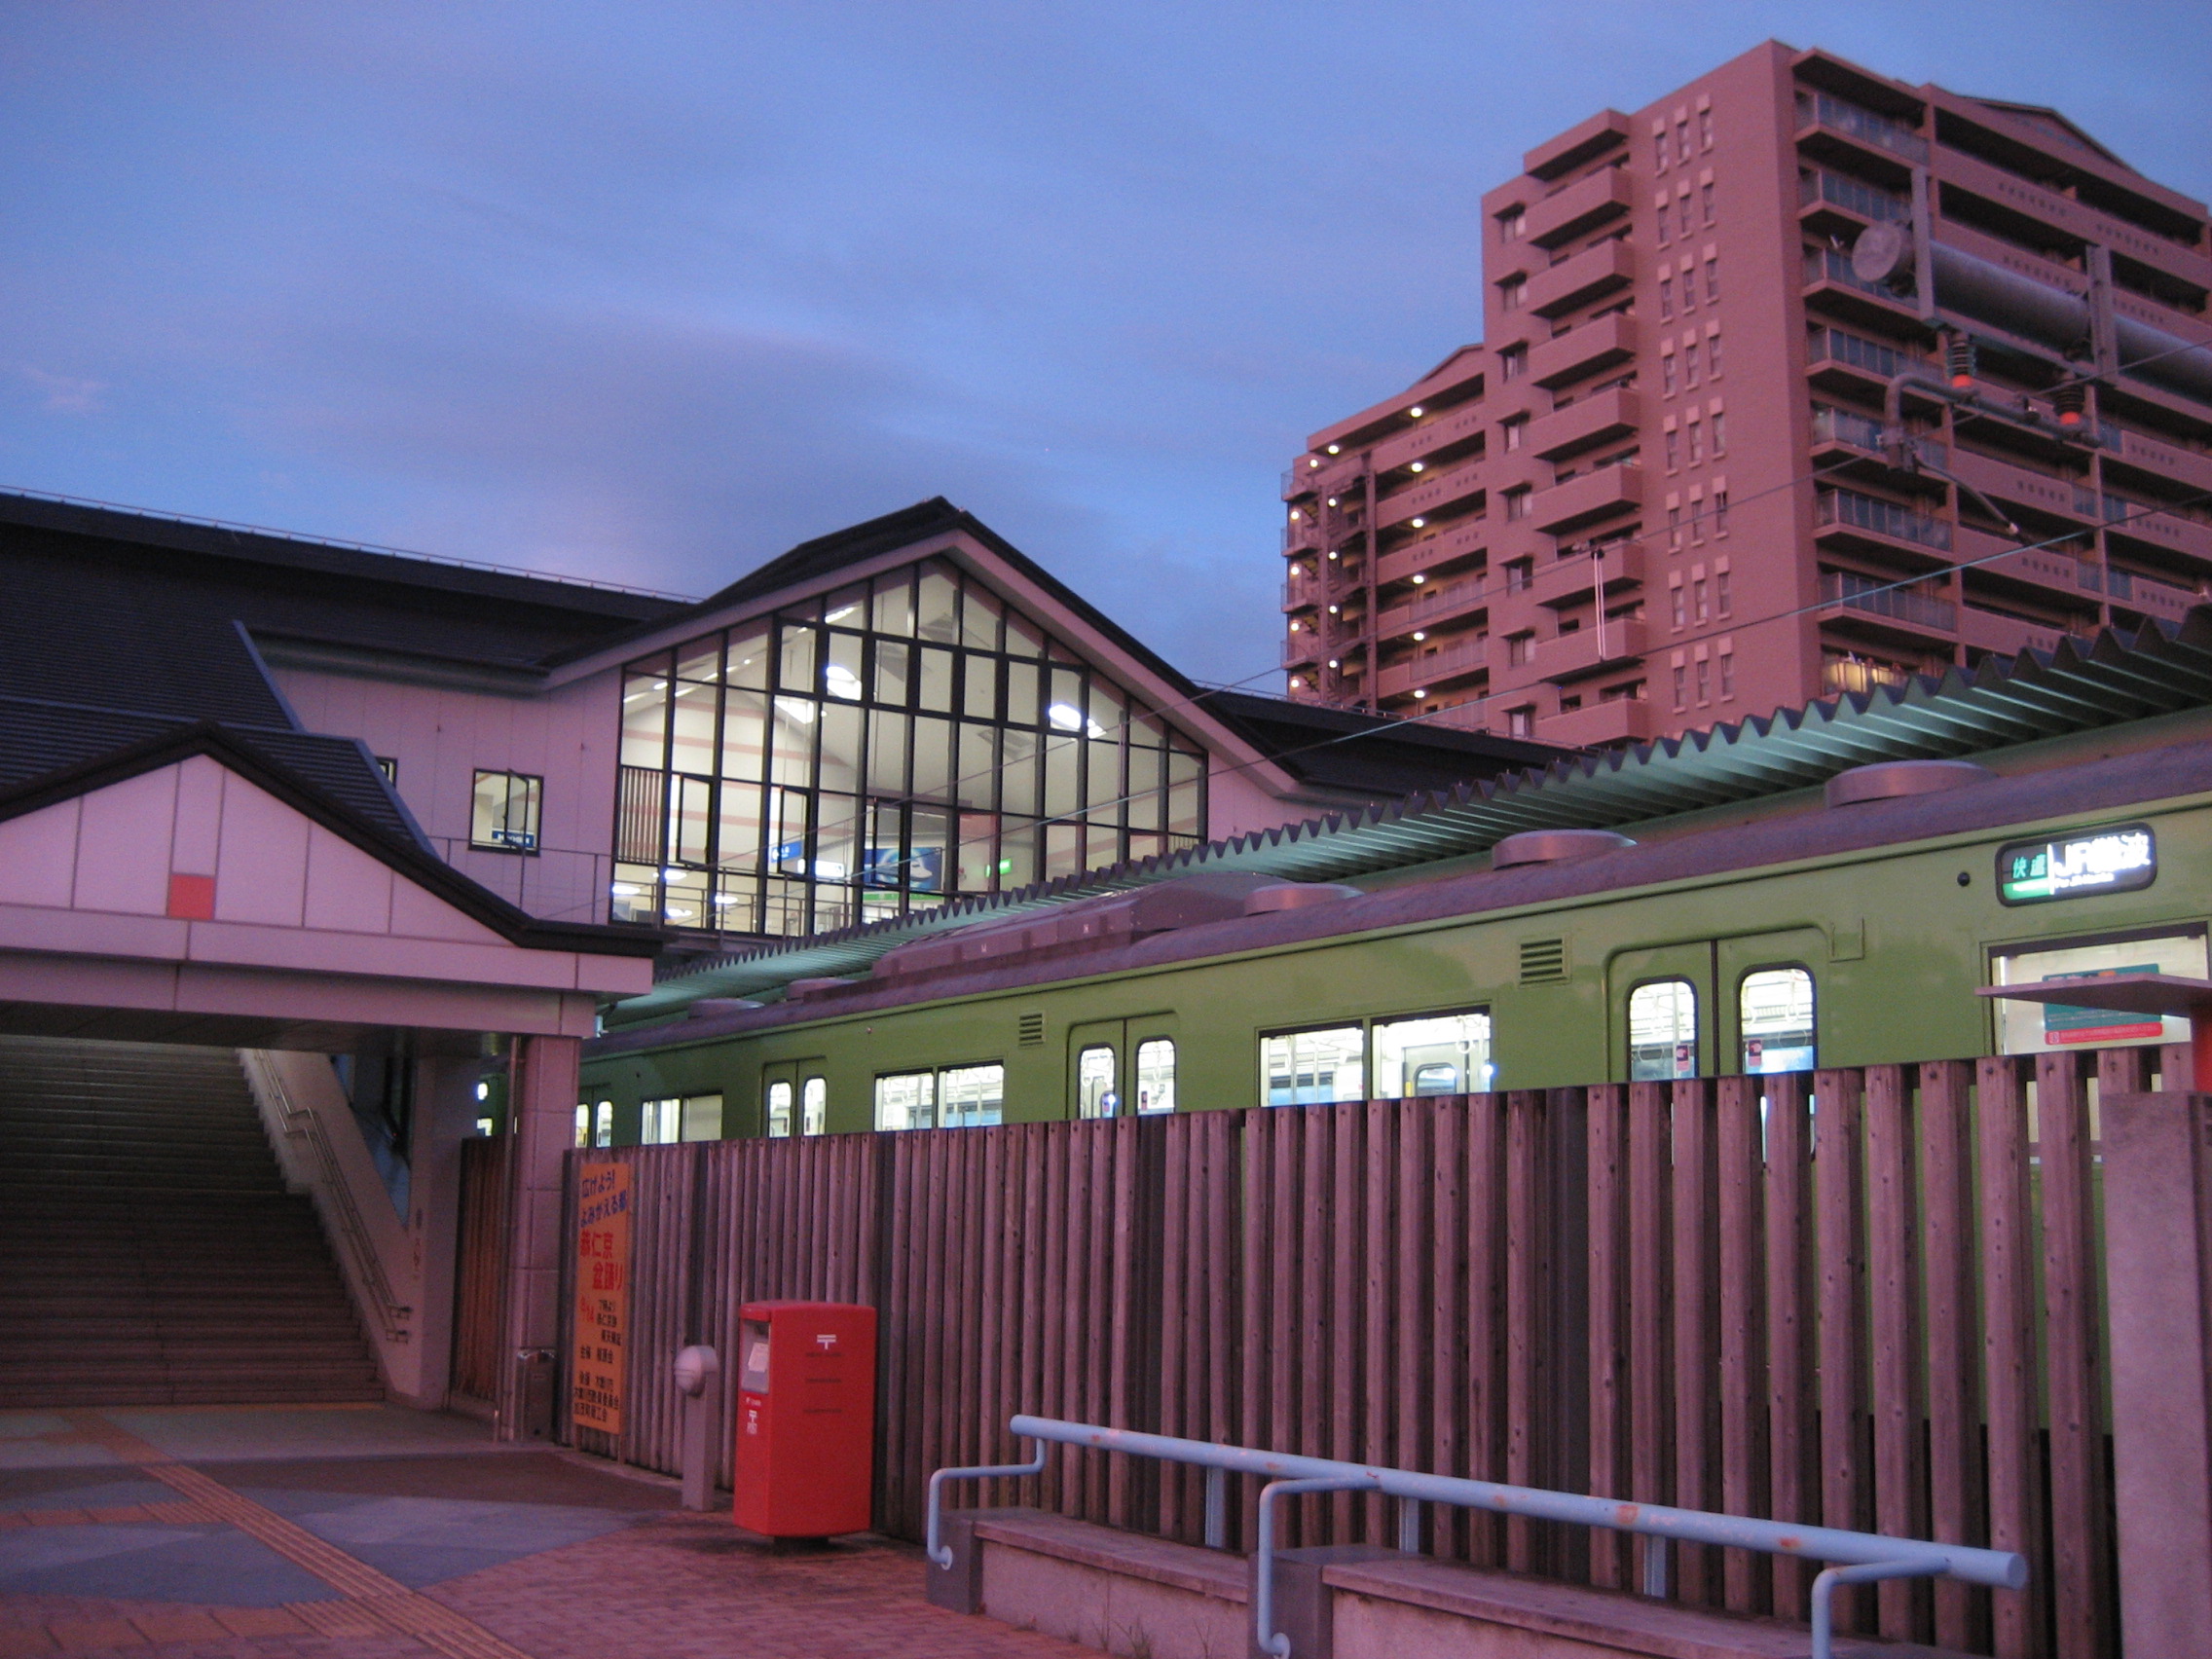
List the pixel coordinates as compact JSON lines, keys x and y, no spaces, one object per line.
{"x":904,"y":1100}
{"x":1776,"y":1007}
{"x":603,"y":1123}
{"x":1314,"y":1068}
{"x":779,"y":1109}
{"x":813,"y":1106}
{"x":1094,"y":1095}
{"x":1435,"y":1054}
{"x":660,"y":1122}
{"x":583,"y":1122}
{"x":702,"y":1117}
{"x":971,"y":1096}
{"x":2031,"y":1028}
{"x":1662,"y":1031}
{"x":1156,"y":1075}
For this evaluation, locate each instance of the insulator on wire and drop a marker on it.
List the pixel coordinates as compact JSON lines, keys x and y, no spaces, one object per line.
{"x":2070,"y":403}
{"x":1959,"y":360}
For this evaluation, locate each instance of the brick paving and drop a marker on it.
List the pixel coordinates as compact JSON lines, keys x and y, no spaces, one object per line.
{"x":673,"y":1587}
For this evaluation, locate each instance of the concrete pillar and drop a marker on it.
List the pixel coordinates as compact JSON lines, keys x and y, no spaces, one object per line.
{"x":541,"y":1107}
{"x":446,"y":1109}
{"x":2158,"y":1166}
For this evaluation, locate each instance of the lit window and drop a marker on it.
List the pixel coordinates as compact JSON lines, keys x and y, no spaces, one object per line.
{"x":1520,"y":722}
{"x":1662,"y":1030}
{"x":504,"y":812}
{"x":2029,"y":1028}
{"x":1095,"y":1093}
{"x":1776,"y":1009}
{"x":702,"y":1117}
{"x":779,"y":1110}
{"x":814,"y":1106}
{"x":583,"y":1123}
{"x":603,"y":1123}
{"x":1156,"y":1075}
{"x":904,"y":1100}
{"x":660,"y":1122}
{"x":1438,"y":1053}
{"x":953,"y":1097}
{"x":1314,"y":1068}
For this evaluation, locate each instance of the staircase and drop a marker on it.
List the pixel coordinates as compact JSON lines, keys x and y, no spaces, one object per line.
{"x":149,"y":1253}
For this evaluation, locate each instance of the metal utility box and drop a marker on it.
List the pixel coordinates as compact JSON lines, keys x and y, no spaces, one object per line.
{"x":806,"y":1461}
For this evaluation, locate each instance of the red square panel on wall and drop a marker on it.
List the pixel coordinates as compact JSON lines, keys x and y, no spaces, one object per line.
{"x":191,"y":898}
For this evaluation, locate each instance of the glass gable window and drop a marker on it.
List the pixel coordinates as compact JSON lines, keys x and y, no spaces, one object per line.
{"x":1436,"y":1053}
{"x":1662,"y":1031}
{"x":1776,"y":1007}
{"x":904,"y":742}
{"x":1314,"y":1068}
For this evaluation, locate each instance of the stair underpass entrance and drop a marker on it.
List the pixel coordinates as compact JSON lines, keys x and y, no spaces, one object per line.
{"x":155,"y":1255}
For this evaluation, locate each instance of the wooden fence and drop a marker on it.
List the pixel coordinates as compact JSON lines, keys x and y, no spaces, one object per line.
{"x":1867,"y":1299}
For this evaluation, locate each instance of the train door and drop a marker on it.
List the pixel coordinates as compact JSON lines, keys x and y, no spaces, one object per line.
{"x":1117,"y":1066}
{"x":1768,"y":1001}
{"x":794,"y":1098}
{"x":1661,"y":1002}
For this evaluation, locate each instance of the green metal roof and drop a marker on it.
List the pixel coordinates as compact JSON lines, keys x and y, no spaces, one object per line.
{"x":2112,"y":678}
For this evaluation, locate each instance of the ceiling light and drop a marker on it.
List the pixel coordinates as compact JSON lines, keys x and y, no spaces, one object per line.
{"x":1421,"y":524}
{"x":1418,"y":579}
{"x":1294,"y":515}
{"x":1421,"y":634}
{"x":1415,"y":411}
{"x":1418,"y":466}
{"x":1332,"y":555}
{"x":625,"y":890}
{"x":1332,"y":610}
{"x":842,"y":681}
{"x":1332,"y":500}
{"x":1065,"y":715}
{"x":1296,"y":683}
{"x":1334,"y":663}
{"x":1333,"y":450}
{"x":1421,"y":693}
{"x":1294,"y":627}
{"x":1312,"y":464}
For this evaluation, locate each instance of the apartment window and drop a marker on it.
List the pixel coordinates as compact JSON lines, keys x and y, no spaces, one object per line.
{"x":1681,"y":604}
{"x":1727,"y":675}
{"x":1697,"y":522}
{"x":1674,"y":525}
{"x":901,"y":743}
{"x":1659,"y":205}
{"x":1681,"y":685}
{"x":814,"y":1106}
{"x":1681,"y":140}
{"x":1517,"y":647}
{"x":1703,"y":681}
{"x":1512,"y":224}
{"x":504,"y":812}
{"x":1710,"y":199}
{"x":1519,"y":573}
{"x":1510,"y":292}
{"x":1156,"y":1075}
{"x":1665,"y":297}
{"x":1712,"y":279}
{"x":1697,"y":442}
{"x":1720,"y":511}
{"x":1513,"y":363}
{"x":1659,"y":150}
{"x":1516,"y":505}
{"x":1697,"y":589}
{"x":1662,"y":1031}
{"x":1520,"y":722}
{"x":1674,"y":451}
{"x":1513,"y":431}
{"x":1704,"y":129}
{"x":1314,"y":1068}
{"x":949,"y":1097}
{"x":1719,"y":432}
{"x":1666,"y":374}
{"x":1721,"y":599}
{"x":1689,"y":287}
{"x":1434,"y":1054}
{"x":1712,"y":356}
{"x":1690,"y":358}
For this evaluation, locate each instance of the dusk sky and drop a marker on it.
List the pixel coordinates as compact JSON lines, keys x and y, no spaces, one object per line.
{"x":649,"y":292}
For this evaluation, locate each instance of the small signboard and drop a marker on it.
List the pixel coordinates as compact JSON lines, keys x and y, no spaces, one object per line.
{"x":2117,"y":860}
{"x":2067,"y":1026}
{"x":599,"y":1370}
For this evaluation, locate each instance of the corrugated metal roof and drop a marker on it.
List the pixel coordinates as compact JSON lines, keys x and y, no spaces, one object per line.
{"x":2115,"y":677}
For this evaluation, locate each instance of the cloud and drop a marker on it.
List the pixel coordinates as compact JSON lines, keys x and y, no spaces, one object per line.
{"x":65,"y":394}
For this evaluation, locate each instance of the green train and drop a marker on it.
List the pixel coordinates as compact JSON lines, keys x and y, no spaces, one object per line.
{"x":1825,"y":888}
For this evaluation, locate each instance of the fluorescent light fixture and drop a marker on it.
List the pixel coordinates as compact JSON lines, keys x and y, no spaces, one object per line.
{"x":842,"y":681}
{"x":624,"y":890}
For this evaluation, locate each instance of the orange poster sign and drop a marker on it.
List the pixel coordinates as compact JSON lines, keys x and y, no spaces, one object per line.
{"x":599,"y":1367}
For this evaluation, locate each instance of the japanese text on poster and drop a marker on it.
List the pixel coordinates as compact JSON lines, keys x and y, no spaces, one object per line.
{"x":602,"y":1296}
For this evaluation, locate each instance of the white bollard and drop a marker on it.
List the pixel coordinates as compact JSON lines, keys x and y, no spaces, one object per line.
{"x":698,"y":1379}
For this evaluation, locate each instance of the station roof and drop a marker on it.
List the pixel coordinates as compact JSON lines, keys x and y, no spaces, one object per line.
{"x":2115,"y":677}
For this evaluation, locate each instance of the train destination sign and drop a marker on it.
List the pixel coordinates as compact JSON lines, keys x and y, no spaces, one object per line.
{"x":2117,"y":860}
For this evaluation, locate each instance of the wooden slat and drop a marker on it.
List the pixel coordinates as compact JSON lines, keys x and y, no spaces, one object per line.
{"x":1953,"y":1339}
{"x":2008,"y":1350}
{"x":1892,"y":1264}
{"x":1446,"y":1308}
{"x":1742,"y":1334}
{"x":1697,"y":1464}
{"x":1413,"y":1244}
{"x":1608,"y":1245}
{"x":1485,"y":1315}
{"x":1378,"y":1288}
{"x":1791,"y":1433}
{"x":2079,"y":1481}
{"x":1343,"y":1239}
{"x":1839,"y":1208}
{"x":1650,"y":1136}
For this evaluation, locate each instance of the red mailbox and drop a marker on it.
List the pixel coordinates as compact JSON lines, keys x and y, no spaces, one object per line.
{"x":806,"y":1418}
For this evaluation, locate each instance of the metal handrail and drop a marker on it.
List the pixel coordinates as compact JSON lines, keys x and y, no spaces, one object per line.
{"x":391,"y":1312}
{"x":1862,"y":1556}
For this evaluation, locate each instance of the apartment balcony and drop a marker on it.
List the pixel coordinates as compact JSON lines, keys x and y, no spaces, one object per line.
{"x":1574,"y":579}
{"x":2045,"y":567}
{"x":2159,"y":601}
{"x":1582,"y":501}
{"x":1832,"y":283}
{"x":1305,"y":535}
{"x":1433,"y":606}
{"x":2183,"y":467}
{"x":1464,"y":538}
{"x":1821,"y":116}
{"x":1594,"y":420}
{"x":1583,"y":352}
{"x":1426,"y":436}
{"x":1432,"y":495}
{"x":1868,"y":597}
{"x":1569,"y":656}
{"x":2075,"y":220}
{"x":1847,"y":516}
{"x":2006,"y":636}
{"x":1583,"y":205}
{"x":2166,"y":531}
{"x":1818,"y":189}
{"x":1601,"y":725}
{"x":2020,"y":485}
{"x":1301,"y":649}
{"x":1449,"y":662}
{"x":1588,"y":275}
{"x":1848,"y":427}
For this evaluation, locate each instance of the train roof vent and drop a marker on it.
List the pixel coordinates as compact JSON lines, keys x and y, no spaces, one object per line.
{"x":1543,"y":961}
{"x":1893,"y":780}
{"x":1296,"y":895}
{"x":1553,"y":846}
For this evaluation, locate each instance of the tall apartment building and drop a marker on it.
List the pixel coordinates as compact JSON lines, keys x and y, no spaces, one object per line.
{"x":1658,"y":496}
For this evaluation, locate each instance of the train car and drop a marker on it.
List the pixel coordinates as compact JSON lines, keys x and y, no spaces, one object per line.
{"x":1827,"y":888}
